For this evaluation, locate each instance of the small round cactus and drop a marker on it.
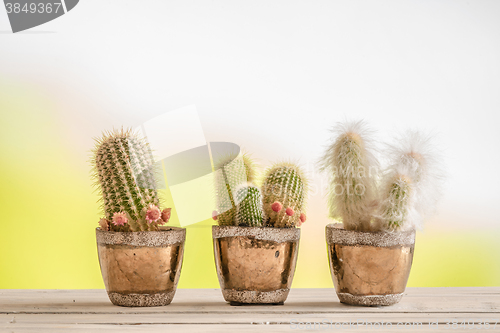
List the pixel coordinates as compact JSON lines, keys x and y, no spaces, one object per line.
{"x":249,"y":207}
{"x":240,"y":203}
{"x":284,"y":186}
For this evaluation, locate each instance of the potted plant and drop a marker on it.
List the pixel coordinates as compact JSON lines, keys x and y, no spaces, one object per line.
{"x":256,"y":241}
{"x":140,"y":259}
{"x":371,"y":251}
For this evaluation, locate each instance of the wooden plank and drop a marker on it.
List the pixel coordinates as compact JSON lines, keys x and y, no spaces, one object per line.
{"x":205,"y":310}
{"x":211,"y":328}
{"x":247,"y":318}
{"x":457,"y":300}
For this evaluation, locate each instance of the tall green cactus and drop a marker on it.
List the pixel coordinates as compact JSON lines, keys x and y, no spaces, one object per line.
{"x":284,"y":194}
{"x":352,"y":169}
{"x":124,"y":168}
{"x":231,"y":172}
{"x":249,"y":207}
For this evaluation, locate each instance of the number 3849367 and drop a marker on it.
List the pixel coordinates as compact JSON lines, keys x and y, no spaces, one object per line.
{"x":33,"y":8}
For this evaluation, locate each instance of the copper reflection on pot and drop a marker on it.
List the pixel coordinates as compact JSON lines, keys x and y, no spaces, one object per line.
{"x":141,"y":268}
{"x":369,"y":268}
{"x":253,"y":270}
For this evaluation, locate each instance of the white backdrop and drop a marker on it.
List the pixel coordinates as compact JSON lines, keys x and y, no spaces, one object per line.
{"x":273,"y":76}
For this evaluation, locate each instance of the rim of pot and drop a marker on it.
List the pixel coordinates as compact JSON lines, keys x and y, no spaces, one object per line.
{"x":336,"y":234}
{"x":278,"y":235}
{"x":165,"y":237}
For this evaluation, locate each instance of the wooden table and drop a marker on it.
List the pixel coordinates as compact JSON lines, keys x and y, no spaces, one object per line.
{"x":204,"y":310}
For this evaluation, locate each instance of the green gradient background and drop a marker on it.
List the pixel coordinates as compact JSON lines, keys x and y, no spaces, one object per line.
{"x":48,"y":214}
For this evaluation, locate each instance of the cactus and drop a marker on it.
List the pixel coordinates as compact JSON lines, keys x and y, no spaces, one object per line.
{"x":416,"y":152}
{"x":249,"y":206}
{"x":231,"y":171}
{"x":350,"y":162}
{"x":241,"y":203}
{"x":414,"y":159}
{"x":284,"y":193}
{"x":396,"y":208}
{"x":124,"y":168}
{"x":409,"y":188}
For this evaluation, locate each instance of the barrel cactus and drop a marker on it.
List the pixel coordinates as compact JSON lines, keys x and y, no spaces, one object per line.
{"x":284,"y":194}
{"x":123,"y":166}
{"x":249,"y":206}
{"x":279,"y":203}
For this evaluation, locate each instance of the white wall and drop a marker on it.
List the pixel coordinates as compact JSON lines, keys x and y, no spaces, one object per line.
{"x":273,"y":76}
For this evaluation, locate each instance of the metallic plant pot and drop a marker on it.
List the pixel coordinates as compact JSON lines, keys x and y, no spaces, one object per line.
{"x":369,"y":268}
{"x":255,"y":265}
{"x":141,"y":268}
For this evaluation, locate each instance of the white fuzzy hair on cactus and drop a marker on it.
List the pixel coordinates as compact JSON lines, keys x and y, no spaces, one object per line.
{"x":414,"y":154}
{"x":397,"y":199}
{"x":396,"y":206}
{"x":351,"y":164}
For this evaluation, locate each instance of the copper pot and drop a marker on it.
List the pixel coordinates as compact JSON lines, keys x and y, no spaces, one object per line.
{"x":141,"y":268}
{"x":255,"y":265}
{"x":369,"y":268}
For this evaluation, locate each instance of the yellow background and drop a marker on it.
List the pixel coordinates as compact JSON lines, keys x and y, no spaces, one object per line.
{"x":48,"y":216}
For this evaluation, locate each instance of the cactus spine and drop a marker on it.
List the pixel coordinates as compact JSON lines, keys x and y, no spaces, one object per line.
{"x":123,"y":165}
{"x":396,"y":205}
{"x":350,"y":164}
{"x":415,"y":172}
{"x":409,"y":189}
{"x":284,"y":193}
{"x":249,"y":207}
{"x":230,"y":173}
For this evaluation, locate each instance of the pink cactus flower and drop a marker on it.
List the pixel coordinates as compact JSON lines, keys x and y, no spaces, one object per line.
{"x":299,"y":223}
{"x":104,"y":224}
{"x":302,"y":218}
{"x":165,"y":216}
{"x":277,"y":206}
{"x":214,"y":215}
{"x":153,"y":213}
{"x":289,"y":211}
{"x":120,"y":218}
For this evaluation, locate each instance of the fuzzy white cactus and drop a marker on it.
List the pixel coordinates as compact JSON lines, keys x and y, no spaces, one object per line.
{"x":397,"y":201}
{"x":353,"y":168}
{"x":409,"y":187}
{"x":413,"y":157}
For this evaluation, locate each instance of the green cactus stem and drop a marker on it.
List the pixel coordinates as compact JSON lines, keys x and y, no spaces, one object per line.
{"x":284,"y":194}
{"x":396,"y":206}
{"x":231,"y":172}
{"x":249,"y":207}
{"x":124,"y":167}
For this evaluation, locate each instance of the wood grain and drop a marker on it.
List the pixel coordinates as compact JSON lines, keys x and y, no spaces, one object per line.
{"x":204,"y":310}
